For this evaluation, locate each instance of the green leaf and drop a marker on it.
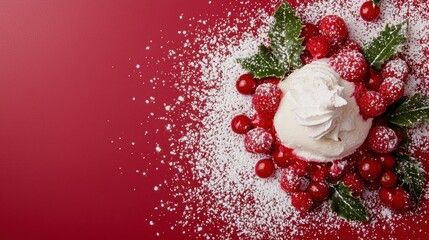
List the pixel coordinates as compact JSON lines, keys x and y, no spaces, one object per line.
{"x":284,"y":34}
{"x":410,"y":174}
{"x":346,"y":205}
{"x":377,"y":2}
{"x":263,"y":64}
{"x":413,"y":110}
{"x":388,"y":43}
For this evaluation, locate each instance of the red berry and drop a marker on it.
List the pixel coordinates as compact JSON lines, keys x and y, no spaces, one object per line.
{"x":348,"y":45}
{"x":308,"y":31}
{"x":319,"y":172}
{"x":306,"y":58}
{"x":371,"y":104}
{"x":290,"y":182}
{"x":282,"y":156}
{"x":264,"y":168}
{"x":396,"y":68}
{"x":388,"y":179}
{"x":333,"y":28}
{"x":401,"y":201}
{"x":272,"y":80}
{"x":387,"y":161}
{"x":258,"y":140}
{"x":266,"y":99}
{"x":241,"y":124}
{"x":369,"y":168}
{"x":382,"y":139}
{"x":369,"y":11}
{"x":300,"y":167}
{"x":319,"y":191}
{"x":351,"y":65}
{"x":386,"y":196}
{"x":373,"y":185}
{"x":265,"y":123}
{"x":318,"y":46}
{"x":246,"y":84}
{"x":302,"y":201}
{"x":392,"y":89}
{"x":354,"y":182}
{"x":373,"y":79}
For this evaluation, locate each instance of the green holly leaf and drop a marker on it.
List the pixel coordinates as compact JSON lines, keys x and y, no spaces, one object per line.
{"x":376,"y":2}
{"x":410,"y":112}
{"x":284,"y":34}
{"x":410,"y":174}
{"x":346,"y":205}
{"x":263,"y":64}
{"x":388,"y":43}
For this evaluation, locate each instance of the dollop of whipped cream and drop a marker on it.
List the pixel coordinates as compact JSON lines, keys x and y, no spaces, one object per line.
{"x":318,"y":116}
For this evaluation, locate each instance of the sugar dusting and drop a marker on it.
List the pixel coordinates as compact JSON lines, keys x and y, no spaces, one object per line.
{"x":223,"y":191}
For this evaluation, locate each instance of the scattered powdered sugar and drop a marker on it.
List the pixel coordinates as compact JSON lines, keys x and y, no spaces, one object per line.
{"x":223,"y":192}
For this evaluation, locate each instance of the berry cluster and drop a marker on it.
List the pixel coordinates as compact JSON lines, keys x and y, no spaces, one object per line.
{"x":372,"y":165}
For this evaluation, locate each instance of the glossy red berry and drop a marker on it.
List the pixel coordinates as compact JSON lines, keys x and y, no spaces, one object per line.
{"x":267,"y":99}
{"x":318,"y":46}
{"x":302,"y":201}
{"x":264,"y":168}
{"x":382,"y":139}
{"x":300,"y":167}
{"x":272,"y":80}
{"x":392,"y":89}
{"x":396,"y":68}
{"x":371,"y":104}
{"x":373,"y":79}
{"x":354,"y":182}
{"x":386,"y":196}
{"x":290,"y":182}
{"x":319,"y":191}
{"x":401,"y":201}
{"x":333,"y":28}
{"x":258,"y":140}
{"x":282,"y":156}
{"x":387,"y":161}
{"x":265,"y":123}
{"x":241,"y":124}
{"x":388,"y":179}
{"x":319,"y":172}
{"x":369,"y":168}
{"x":369,"y":11}
{"x":246,"y":84}
{"x":308,"y":31}
{"x":351,"y":65}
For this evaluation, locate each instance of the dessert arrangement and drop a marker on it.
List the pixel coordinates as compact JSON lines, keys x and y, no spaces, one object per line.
{"x":331,"y":115}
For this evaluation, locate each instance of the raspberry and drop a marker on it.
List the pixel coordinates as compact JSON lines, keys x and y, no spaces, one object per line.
{"x":318,"y":46}
{"x":272,"y":80}
{"x":264,"y":168}
{"x":246,"y":84}
{"x":290,"y":182}
{"x":369,"y":168}
{"x":319,"y":172}
{"x":319,"y":191}
{"x":369,"y":11}
{"x":396,"y":68}
{"x":302,"y":201}
{"x":373,"y":80}
{"x":241,"y":124}
{"x":351,"y":65}
{"x":308,"y":31}
{"x":371,"y":104}
{"x":392,"y":89}
{"x":258,"y":140}
{"x":300,"y":167}
{"x":333,"y":28}
{"x":354,"y":182}
{"x":382,"y":139}
{"x":388,"y":179}
{"x":266,"y":99}
{"x":348,"y":45}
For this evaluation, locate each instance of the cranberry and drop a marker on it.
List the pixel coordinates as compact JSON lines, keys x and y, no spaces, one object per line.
{"x":369,"y":11}
{"x":265,"y":123}
{"x":388,"y":179}
{"x":282,"y":156}
{"x":264,"y":168}
{"x":401,"y":201}
{"x":373,"y":79}
{"x":382,"y":139}
{"x":300,"y":167}
{"x":354,"y":182}
{"x":302,"y":201}
{"x":371,"y":104}
{"x":246,"y":84}
{"x":319,"y":172}
{"x":318,"y":46}
{"x":290,"y":182}
{"x":373,"y":185}
{"x":387,"y":161}
{"x":386,"y":196}
{"x":369,"y":168}
{"x":319,"y":191}
{"x":308,"y":31}
{"x":241,"y":124}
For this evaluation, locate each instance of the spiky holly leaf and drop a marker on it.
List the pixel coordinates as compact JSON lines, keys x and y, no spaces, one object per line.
{"x":284,"y":34}
{"x":410,"y":112}
{"x":410,"y":174}
{"x":263,"y":64}
{"x":377,"y":2}
{"x":388,"y":43}
{"x":346,"y":205}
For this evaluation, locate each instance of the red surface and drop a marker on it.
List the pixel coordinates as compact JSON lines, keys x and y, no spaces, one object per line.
{"x":61,"y":103}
